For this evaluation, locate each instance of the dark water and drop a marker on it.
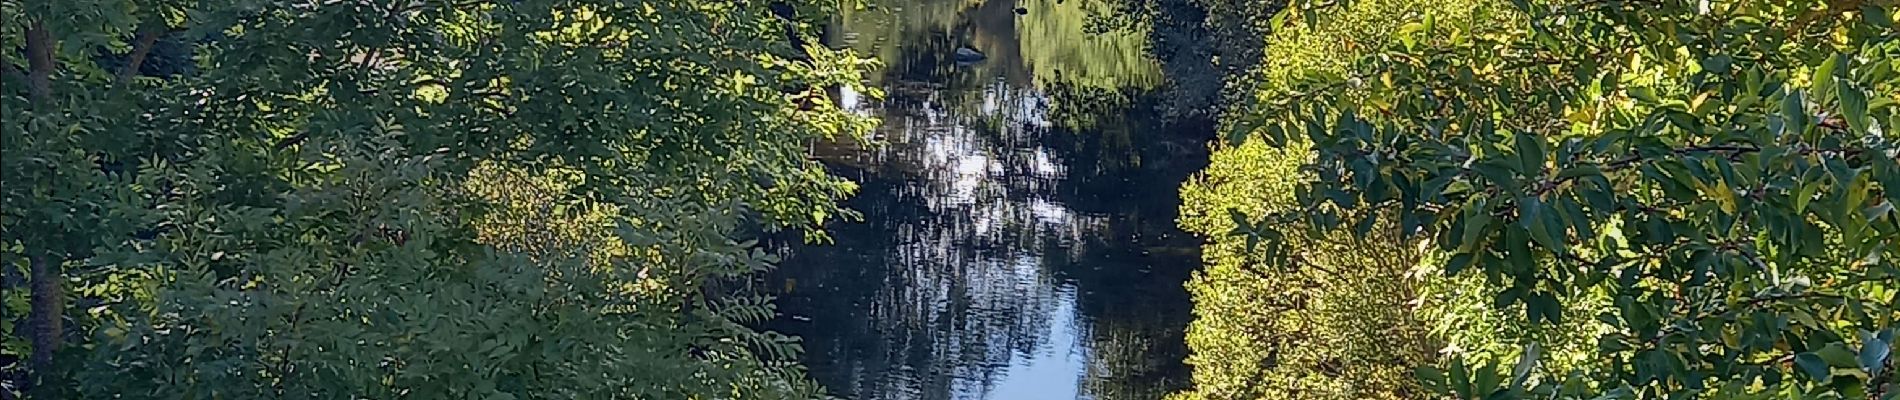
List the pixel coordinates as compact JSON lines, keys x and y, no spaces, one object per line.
{"x":1017,"y":239}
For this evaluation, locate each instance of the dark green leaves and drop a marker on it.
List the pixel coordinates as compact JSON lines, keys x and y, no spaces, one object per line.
{"x":1875,"y":348}
{"x":1460,"y":382}
{"x":1820,"y":364}
{"x":1543,"y":307}
{"x":1876,"y":15}
{"x":1718,"y":64}
{"x":1813,"y":365}
{"x":1246,"y":228}
{"x":1433,"y":379}
{"x":1530,"y":153}
{"x":1794,"y":111}
{"x":1542,"y":223}
{"x":1486,"y":380}
{"x":1853,"y":106}
{"x":1459,"y":262}
{"x":1477,"y":224}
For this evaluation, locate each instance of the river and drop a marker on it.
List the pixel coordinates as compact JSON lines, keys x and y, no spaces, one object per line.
{"x":1017,"y":237}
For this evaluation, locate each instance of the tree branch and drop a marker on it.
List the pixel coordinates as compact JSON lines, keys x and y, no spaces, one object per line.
{"x":1631,"y":160}
{"x":141,"y":48}
{"x":283,"y":357}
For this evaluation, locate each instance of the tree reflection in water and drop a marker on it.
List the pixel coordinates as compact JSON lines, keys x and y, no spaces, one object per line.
{"x":1007,"y":251}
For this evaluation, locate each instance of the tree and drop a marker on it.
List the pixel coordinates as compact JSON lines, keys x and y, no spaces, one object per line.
{"x":1720,"y":170}
{"x":408,"y":198}
{"x":1343,"y":315}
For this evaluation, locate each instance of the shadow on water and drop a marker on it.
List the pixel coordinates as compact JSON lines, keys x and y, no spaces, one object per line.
{"x":1018,"y":238}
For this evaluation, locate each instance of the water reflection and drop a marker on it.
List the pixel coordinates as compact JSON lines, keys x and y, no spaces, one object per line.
{"x":1008,"y":250}
{"x":1051,"y":42}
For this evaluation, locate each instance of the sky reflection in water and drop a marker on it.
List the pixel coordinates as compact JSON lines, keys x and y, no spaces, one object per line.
{"x":985,"y":269}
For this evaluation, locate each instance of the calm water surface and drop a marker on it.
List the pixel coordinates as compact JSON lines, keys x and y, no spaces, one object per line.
{"x":1017,"y":238}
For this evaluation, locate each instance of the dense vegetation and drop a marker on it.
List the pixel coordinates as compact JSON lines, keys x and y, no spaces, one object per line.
{"x":1473,"y":199}
{"x":405,"y":199}
{"x":1556,"y":199}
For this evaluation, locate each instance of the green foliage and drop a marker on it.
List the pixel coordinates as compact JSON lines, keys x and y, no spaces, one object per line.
{"x":409,"y":199}
{"x":1336,"y":324}
{"x":1718,"y":173}
{"x":1344,"y":314}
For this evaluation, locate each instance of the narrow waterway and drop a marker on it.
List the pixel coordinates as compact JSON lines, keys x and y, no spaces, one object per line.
{"x":1017,"y":238}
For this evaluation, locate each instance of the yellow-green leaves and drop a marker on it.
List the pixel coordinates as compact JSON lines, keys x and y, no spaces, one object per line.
{"x":1741,"y":184}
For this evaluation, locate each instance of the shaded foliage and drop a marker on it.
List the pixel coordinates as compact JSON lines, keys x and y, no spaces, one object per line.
{"x":405,"y":199}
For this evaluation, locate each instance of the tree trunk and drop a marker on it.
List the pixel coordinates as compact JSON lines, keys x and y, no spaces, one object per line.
{"x":46,"y":304}
{"x":39,"y":59}
{"x":46,"y":316}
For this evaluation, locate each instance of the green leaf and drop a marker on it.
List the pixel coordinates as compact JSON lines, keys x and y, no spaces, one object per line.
{"x":1853,"y":106}
{"x":1487,"y":380}
{"x":1432,"y":378}
{"x":1460,"y":378}
{"x":1506,"y":298}
{"x":1365,"y":224}
{"x":1804,"y":195}
{"x":1542,"y":306}
{"x":1476,"y":224}
{"x":1241,"y":224}
{"x":1813,"y":365}
{"x":1517,"y":250}
{"x":1458,"y":262}
{"x":1823,"y":79}
{"x":1572,"y":216}
{"x":1553,"y":310}
{"x":1876,"y":15}
{"x":1873,"y":353}
{"x":1599,"y":200}
{"x":1498,"y":173}
{"x":1610,"y":345}
{"x":1279,"y":19}
{"x":1541,"y":223}
{"x":1794,"y":111}
{"x":1530,"y":153}
{"x":1836,"y":354}
{"x":1647,"y":95}
{"x":1717,"y":64}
